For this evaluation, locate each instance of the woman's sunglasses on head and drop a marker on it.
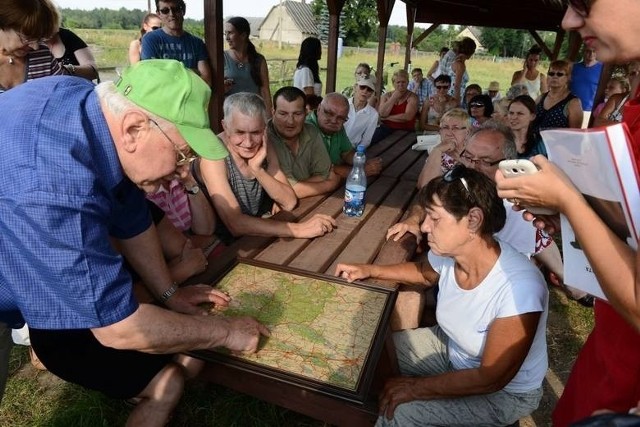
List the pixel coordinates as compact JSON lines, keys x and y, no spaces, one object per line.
{"x":581,"y":7}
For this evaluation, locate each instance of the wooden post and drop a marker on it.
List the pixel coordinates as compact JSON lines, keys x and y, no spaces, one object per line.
{"x":213,"y":29}
{"x":335,"y":7}
{"x":384,"y":13}
{"x":411,"y":19}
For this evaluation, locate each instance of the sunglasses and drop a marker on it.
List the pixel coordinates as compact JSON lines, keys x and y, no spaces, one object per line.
{"x":155,"y":27}
{"x":174,"y":10}
{"x":442,"y":87}
{"x":457,"y":174}
{"x":25,"y":41}
{"x":581,"y":7}
{"x":367,"y":88}
{"x":476,"y":105}
{"x":555,"y":73}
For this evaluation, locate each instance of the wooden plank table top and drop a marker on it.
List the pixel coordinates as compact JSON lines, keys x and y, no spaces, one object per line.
{"x":355,"y":240}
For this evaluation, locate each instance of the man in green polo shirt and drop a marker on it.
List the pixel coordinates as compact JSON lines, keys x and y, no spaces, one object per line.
{"x":329,"y":119}
{"x":299,"y":147}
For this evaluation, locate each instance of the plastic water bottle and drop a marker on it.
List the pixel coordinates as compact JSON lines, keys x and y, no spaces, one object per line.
{"x":356,"y":185}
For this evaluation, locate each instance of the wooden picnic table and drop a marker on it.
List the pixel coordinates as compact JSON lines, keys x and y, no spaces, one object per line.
{"x":355,"y":240}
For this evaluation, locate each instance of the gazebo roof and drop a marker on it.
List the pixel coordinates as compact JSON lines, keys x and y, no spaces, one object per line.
{"x":524,"y":14}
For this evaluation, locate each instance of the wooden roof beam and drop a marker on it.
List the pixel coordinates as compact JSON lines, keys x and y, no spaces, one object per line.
{"x":558,"y":44}
{"x":425,"y":33}
{"x":541,"y":43}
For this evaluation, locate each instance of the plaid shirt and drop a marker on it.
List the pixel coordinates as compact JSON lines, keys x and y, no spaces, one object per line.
{"x":423,"y":91}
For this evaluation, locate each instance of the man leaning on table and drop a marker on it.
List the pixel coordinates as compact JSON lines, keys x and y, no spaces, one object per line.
{"x":301,"y":152}
{"x":248,"y":184}
{"x":75,"y":157}
{"x":329,"y":119}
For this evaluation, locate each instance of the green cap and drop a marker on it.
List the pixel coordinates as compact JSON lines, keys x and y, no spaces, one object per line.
{"x":169,"y":90}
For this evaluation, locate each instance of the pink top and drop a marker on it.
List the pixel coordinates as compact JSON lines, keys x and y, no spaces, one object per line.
{"x":175,"y":204}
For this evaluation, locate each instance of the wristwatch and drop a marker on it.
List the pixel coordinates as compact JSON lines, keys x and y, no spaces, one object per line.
{"x":193,"y":190}
{"x":70,"y":68}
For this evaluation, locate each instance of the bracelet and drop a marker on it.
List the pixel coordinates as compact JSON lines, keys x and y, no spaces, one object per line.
{"x":169,"y":292}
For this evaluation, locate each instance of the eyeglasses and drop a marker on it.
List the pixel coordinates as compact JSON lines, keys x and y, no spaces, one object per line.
{"x":333,"y":116}
{"x":457,"y":173}
{"x":181,"y":158}
{"x":478,"y":162}
{"x":25,"y":41}
{"x":155,"y":27}
{"x":452,"y":128}
{"x":555,"y":73}
{"x":476,"y":105}
{"x":581,"y":7}
{"x":174,"y":10}
{"x":442,"y":87}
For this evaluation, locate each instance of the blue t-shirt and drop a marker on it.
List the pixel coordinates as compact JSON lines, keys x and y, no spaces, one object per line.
{"x":62,"y":195}
{"x":584,"y":83}
{"x":187,"y":48}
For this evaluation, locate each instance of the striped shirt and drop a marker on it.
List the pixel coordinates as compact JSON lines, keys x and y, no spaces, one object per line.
{"x":40,"y":63}
{"x":175,"y":204}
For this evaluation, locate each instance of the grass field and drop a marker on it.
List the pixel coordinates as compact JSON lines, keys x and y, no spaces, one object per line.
{"x":110,"y":48}
{"x":38,"y":399}
{"x":35,"y":398}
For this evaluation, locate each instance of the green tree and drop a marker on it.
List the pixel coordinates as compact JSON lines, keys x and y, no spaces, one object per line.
{"x":358,"y":20}
{"x":505,"y":41}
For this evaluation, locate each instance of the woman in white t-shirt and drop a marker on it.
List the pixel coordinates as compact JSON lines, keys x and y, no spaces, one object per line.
{"x":484,"y":363}
{"x":306,"y":77}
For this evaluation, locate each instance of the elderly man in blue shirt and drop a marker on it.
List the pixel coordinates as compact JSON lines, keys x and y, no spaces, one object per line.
{"x":74,"y":159}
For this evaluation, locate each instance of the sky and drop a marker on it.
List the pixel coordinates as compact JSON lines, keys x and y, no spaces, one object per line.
{"x":195,"y":8}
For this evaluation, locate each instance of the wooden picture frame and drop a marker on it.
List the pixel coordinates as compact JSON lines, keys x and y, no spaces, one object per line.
{"x":357,"y":301}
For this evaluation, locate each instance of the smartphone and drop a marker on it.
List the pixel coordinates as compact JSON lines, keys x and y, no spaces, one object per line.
{"x":520,"y":167}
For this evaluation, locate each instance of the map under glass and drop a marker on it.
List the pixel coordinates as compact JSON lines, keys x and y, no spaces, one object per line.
{"x":320,"y":330}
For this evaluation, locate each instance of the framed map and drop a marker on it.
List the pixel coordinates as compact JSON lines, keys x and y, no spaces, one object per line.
{"x":326,"y":334}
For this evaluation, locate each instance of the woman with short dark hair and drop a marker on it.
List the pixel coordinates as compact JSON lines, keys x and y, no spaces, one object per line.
{"x":484,"y":363}
{"x":480,"y":108}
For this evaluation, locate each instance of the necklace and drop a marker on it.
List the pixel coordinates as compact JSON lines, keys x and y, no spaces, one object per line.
{"x":239,"y":62}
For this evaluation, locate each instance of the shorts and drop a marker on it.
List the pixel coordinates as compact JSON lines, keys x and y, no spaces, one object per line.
{"x":76,"y":356}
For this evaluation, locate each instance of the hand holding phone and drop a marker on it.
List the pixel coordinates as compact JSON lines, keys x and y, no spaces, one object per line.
{"x":521,"y":167}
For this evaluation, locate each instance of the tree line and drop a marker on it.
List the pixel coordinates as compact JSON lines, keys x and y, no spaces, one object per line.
{"x":359,"y":27}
